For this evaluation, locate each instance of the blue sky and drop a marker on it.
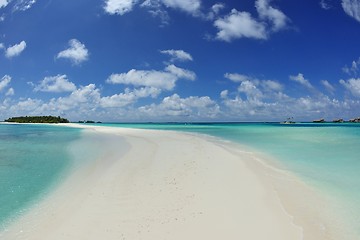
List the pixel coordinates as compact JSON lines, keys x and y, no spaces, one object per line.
{"x":180,"y":60}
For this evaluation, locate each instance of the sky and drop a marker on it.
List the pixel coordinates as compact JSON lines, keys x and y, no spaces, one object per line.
{"x":180,"y":60}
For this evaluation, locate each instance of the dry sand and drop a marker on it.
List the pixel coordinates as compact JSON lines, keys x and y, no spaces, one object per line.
{"x":164,"y":185}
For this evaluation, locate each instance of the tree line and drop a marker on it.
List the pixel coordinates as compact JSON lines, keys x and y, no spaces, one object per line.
{"x":37,"y":119}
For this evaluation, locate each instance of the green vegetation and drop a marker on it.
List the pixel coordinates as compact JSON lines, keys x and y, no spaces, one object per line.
{"x":37,"y":119}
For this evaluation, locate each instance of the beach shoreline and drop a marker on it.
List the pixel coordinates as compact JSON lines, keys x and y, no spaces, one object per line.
{"x":171,"y":185}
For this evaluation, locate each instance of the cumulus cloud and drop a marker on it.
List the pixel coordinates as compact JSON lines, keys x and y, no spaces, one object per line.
{"x":280,"y":106}
{"x":224,"y":93}
{"x":4,"y":3}
{"x":77,"y":52}
{"x":165,"y":79}
{"x":28,"y":105}
{"x":239,"y":25}
{"x":277,"y":18}
{"x":352,"y":85}
{"x":250,"y":89}
{"x":175,"y":106}
{"x":58,"y":83}
{"x":15,"y":50}
{"x":301,"y":80}
{"x":267,"y":85}
{"x":253,"y":97}
{"x":5,"y":80}
{"x":10,"y":92}
{"x":128,"y":97}
{"x":119,"y":7}
{"x":352,"y":8}
{"x":177,"y":55}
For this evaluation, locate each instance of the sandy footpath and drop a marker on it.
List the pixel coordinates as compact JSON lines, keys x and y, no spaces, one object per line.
{"x":166,"y":185}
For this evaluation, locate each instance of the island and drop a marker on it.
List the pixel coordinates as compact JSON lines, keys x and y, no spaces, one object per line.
{"x":37,"y":119}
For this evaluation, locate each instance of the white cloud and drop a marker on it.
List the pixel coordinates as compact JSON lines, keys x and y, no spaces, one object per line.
{"x":77,"y":52}
{"x":325,"y":5}
{"x":82,"y":101}
{"x":128,"y":97}
{"x":23,"y":5}
{"x":250,"y":89}
{"x":277,"y":18}
{"x":216,"y":8}
{"x":4,"y":3}
{"x":236,"y":77}
{"x":328,"y":86}
{"x":122,"y":7}
{"x":300,"y":79}
{"x":242,"y":25}
{"x":239,"y":25}
{"x":281,"y":106}
{"x":151,"y":78}
{"x":224,"y":93}
{"x":272,"y":85}
{"x":181,"y":73}
{"x":2,"y":46}
{"x":58,"y":83}
{"x":29,"y":106}
{"x":267,"y":85}
{"x":178,"y":55}
{"x":10,"y":92}
{"x":15,"y":50}
{"x":190,"y":6}
{"x":354,"y":69}
{"x":353,"y":85}
{"x":352,"y":8}
{"x":214,"y":11}
{"x":156,"y":9}
{"x":119,"y":7}
{"x":5,"y":80}
{"x":175,"y":106}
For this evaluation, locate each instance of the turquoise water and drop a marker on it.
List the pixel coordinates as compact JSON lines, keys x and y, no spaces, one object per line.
{"x":327,"y":156}
{"x":32,"y":159}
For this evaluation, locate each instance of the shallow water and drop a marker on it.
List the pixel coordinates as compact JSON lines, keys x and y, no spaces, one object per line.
{"x":32,"y":159}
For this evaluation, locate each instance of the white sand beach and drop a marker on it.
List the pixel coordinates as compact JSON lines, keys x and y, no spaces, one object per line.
{"x":167,"y":185}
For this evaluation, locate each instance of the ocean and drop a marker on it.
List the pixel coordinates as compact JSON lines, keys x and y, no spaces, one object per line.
{"x":325,"y":156}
